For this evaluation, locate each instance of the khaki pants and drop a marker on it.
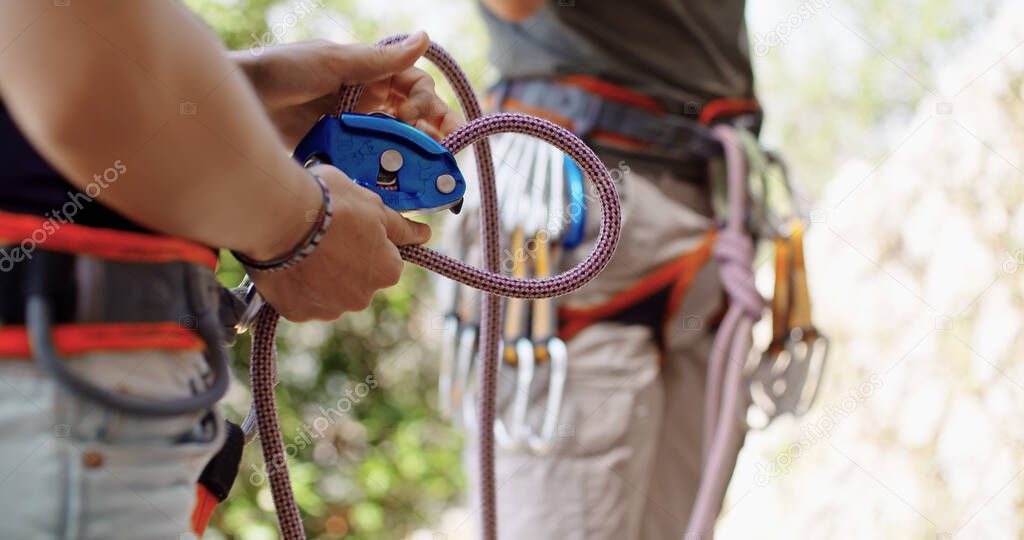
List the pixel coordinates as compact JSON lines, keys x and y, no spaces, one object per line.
{"x":627,"y":459}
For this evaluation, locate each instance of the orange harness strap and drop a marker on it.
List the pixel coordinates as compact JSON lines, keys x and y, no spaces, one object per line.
{"x":613,"y":92}
{"x":206,"y":502}
{"x":31,"y":232}
{"x":726,"y":107}
{"x":26,"y":233}
{"x":715,"y":109}
{"x":73,"y":339}
{"x":676,"y":276}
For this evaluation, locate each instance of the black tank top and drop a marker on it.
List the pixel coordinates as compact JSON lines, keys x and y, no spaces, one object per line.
{"x":30,"y":185}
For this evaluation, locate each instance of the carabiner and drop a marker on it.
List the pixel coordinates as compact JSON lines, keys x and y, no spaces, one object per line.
{"x":787,"y":378}
{"x":558,"y":366}
{"x":521,"y":399}
{"x":446,"y":371}
{"x":462,"y":386}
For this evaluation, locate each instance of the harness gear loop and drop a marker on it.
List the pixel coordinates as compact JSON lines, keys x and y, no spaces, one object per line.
{"x":488,"y":280}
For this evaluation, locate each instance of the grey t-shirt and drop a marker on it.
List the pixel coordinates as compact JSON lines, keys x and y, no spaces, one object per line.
{"x":677,"y":51}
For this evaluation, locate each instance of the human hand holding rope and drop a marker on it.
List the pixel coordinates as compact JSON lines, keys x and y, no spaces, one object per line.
{"x":298,"y":83}
{"x":357,"y":256}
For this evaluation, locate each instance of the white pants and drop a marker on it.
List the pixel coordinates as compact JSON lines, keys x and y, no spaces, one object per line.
{"x":72,"y":469}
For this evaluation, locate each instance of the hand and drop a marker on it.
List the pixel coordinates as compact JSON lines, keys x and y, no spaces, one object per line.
{"x":299,"y":82}
{"x":356,"y":257}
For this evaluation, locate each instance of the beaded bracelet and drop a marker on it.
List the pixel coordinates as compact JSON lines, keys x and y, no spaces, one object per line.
{"x":304,"y":248}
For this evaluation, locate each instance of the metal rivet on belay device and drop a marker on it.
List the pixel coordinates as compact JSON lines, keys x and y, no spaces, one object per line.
{"x":446,"y":183}
{"x":391,"y":161}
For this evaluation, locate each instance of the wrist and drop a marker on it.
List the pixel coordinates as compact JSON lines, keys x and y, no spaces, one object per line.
{"x":300,"y":233}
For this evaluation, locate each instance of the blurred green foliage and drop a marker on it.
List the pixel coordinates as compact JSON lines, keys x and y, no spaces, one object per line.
{"x":371,"y":458}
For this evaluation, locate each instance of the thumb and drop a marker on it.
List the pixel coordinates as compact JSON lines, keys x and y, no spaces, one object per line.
{"x":397,"y":57}
{"x":403,"y":232}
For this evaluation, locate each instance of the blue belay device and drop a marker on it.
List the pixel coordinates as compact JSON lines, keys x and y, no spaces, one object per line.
{"x":412,"y":173}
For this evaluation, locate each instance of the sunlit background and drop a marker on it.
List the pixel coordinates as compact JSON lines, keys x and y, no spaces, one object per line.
{"x":904,"y":120}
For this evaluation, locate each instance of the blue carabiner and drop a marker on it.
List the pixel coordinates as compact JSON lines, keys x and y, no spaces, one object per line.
{"x":577,"y":204}
{"x":411,"y":172}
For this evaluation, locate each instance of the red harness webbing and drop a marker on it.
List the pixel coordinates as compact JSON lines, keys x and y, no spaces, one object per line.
{"x":674,"y":277}
{"x":25,"y":233}
{"x":31,"y":232}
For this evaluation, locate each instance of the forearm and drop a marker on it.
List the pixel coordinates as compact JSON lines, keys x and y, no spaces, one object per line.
{"x":513,"y":10}
{"x":101,"y":82}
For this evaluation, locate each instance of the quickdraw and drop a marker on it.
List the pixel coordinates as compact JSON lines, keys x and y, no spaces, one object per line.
{"x":263,"y":414}
{"x":540,"y":225}
{"x":787,"y":378}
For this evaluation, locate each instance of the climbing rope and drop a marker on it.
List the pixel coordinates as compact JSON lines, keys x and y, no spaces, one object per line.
{"x":725,"y":402}
{"x":475,"y":133}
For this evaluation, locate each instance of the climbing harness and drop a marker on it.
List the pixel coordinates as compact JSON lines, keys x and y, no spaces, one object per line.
{"x":628,"y":122}
{"x":385,"y":176}
{"x":69,"y":307}
{"x":90,"y":289}
{"x":754,"y":199}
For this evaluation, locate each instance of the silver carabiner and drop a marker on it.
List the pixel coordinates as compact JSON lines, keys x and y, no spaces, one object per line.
{"x":465,"y":370}
{"x":253,"y":302}
{"x":446,"y":371}
{"x":525,"y":364}
{"x":787,"y":380}
{"x":558,"y":365}
{"x":461,"y":388}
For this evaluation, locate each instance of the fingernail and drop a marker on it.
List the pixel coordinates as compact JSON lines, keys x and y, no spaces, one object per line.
{"x":414,"y":38}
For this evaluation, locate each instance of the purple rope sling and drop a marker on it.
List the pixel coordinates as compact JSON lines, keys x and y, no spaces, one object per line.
{"x":726,"y":399}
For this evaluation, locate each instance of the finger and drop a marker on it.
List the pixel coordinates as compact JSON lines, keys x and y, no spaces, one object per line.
{"x":390,"y":271}
{"x":375,"y":98}
{"x":420,"y":106}
{"x":451,"y":121}
{"x":440,"y":126}
{"x":403,"y":232}
{"x":415,"y":92}
{"x":412,"y":81}
{"x":430,"y":128}
{"x":367,"y":64}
